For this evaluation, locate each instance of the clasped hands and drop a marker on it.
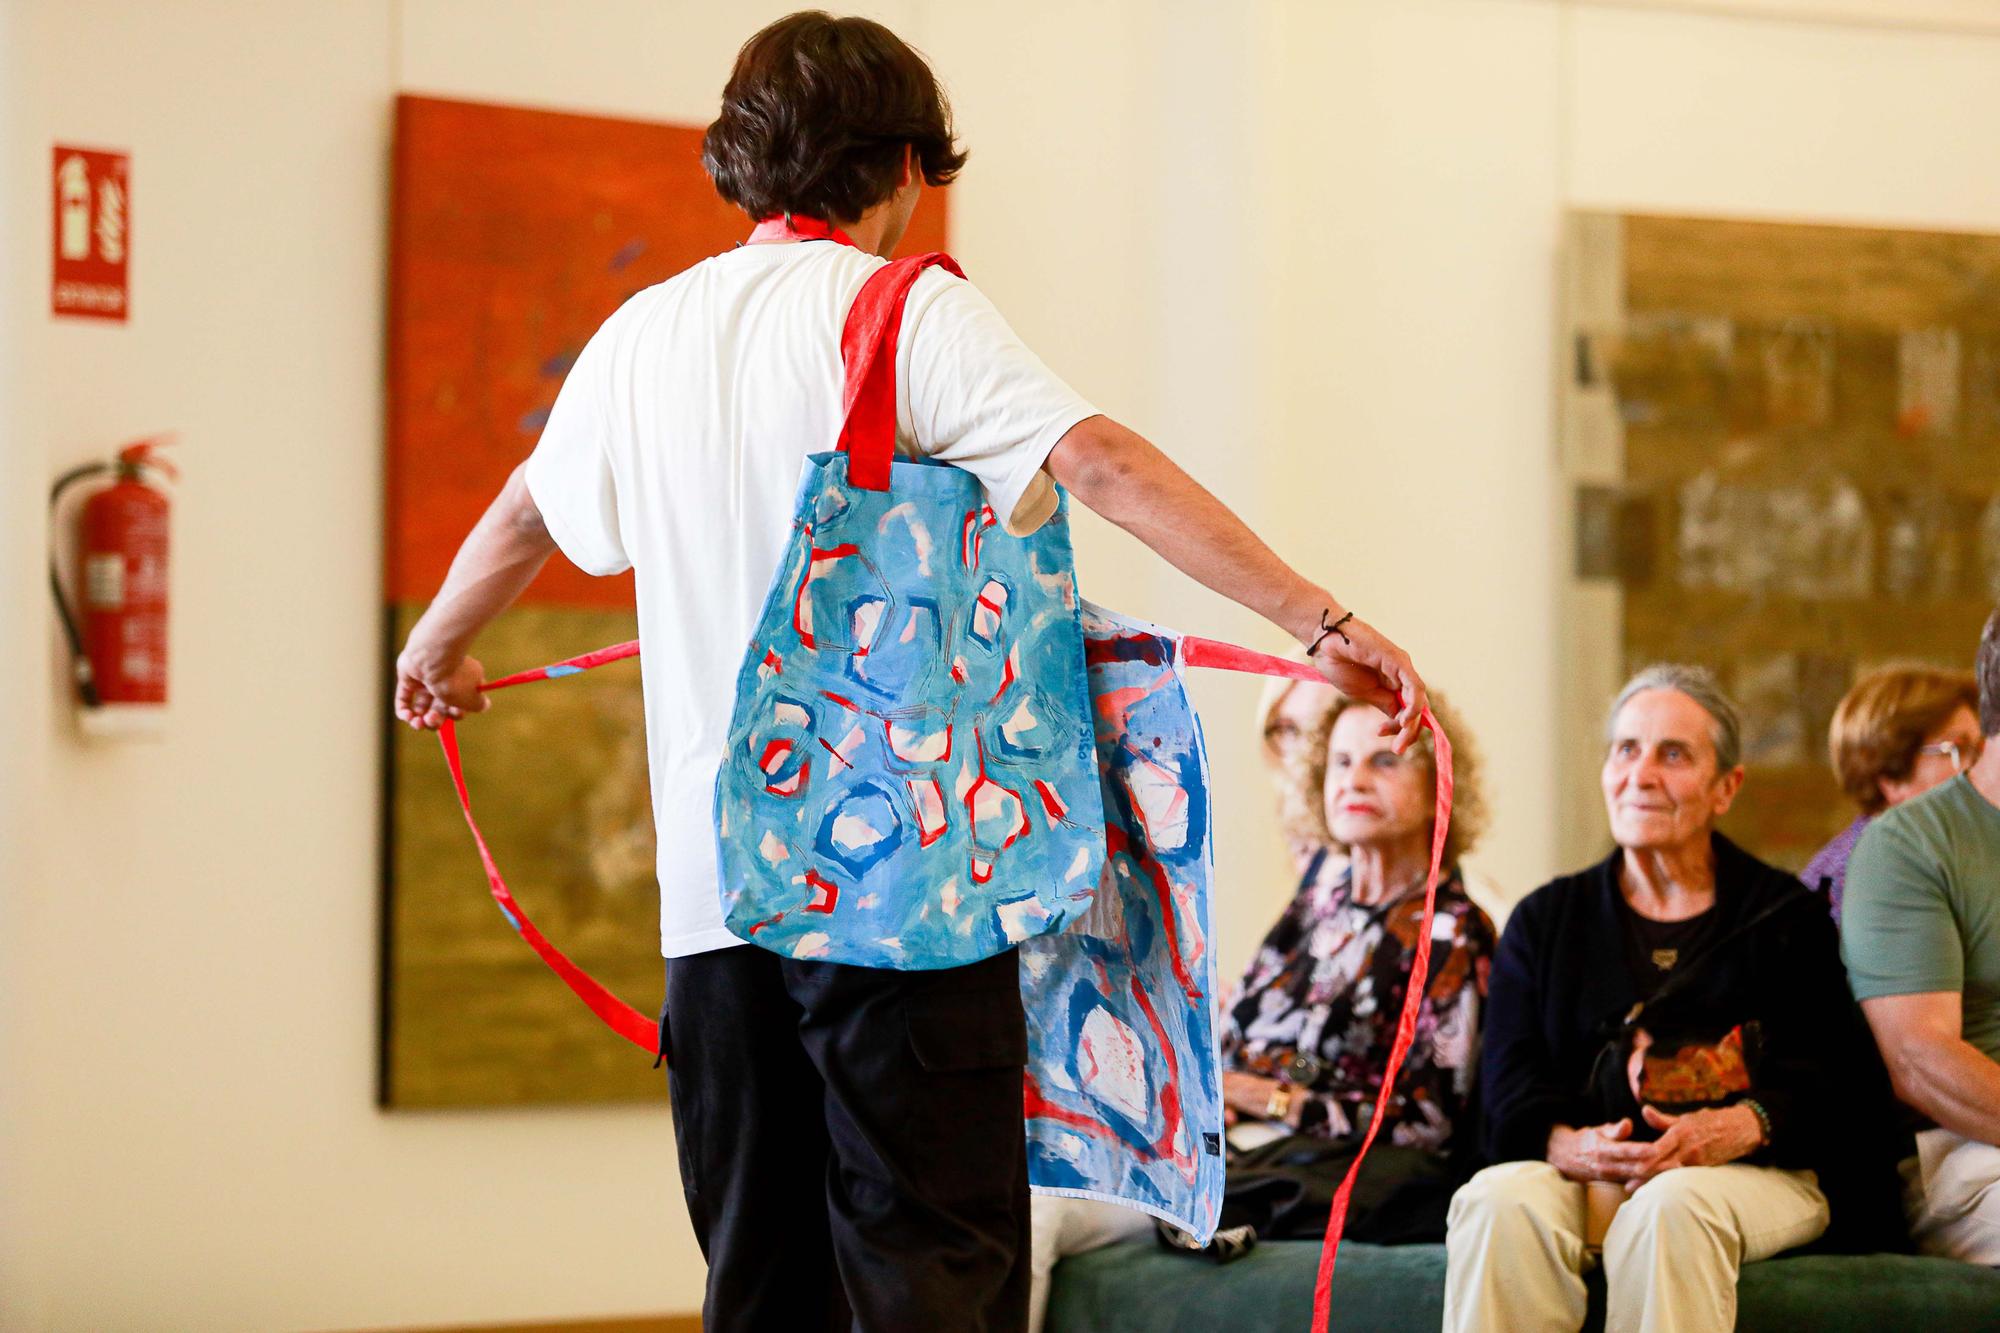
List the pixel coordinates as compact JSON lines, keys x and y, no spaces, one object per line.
{"x":1709,"y":1137}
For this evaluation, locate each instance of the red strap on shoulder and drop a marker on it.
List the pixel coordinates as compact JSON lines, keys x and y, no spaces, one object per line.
{"x":868,"y":355}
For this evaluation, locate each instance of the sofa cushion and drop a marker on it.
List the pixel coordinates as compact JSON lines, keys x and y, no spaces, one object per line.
{"x":1137,"y":1287}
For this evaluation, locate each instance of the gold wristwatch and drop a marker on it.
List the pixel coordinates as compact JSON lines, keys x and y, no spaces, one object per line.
{"x":1280,"y":1105}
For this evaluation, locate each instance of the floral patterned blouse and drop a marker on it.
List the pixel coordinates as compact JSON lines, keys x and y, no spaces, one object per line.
{"x":1328,"y":983}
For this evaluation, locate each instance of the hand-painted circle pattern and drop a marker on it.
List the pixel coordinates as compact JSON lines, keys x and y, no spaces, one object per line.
{"x":911,"y":779}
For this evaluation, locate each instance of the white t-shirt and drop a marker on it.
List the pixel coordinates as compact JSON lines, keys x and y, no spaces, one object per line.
{"x":675,"y":449}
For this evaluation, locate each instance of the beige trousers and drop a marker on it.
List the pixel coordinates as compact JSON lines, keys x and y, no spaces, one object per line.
{"x":1952,"y":1192}
{"x":1517,"y":1255}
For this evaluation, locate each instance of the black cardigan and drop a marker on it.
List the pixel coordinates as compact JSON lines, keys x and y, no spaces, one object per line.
{"x":1561,"y":984}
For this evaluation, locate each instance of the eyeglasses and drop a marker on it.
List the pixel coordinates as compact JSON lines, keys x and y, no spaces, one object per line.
{"x":1960,"y":759}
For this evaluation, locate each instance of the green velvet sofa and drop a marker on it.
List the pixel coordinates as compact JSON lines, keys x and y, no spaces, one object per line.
{"x":1136,"y":1287}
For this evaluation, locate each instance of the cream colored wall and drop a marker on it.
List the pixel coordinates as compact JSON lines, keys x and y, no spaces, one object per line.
{"x":197,"y":1145}
{"x":1111,"y":208}
{"x":1308,"y":246}
{"x":194,"y":1046}
{"x":1412,"y":234}
{"x":22,"y":727}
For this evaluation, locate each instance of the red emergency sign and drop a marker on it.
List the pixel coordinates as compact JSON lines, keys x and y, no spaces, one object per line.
{"x":93,"y":233}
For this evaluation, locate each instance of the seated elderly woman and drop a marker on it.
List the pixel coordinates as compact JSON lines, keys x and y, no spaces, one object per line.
{"x":1308,"y":1032}
{"x":1672,"y":1028}
{"x":1898,"y":733}
{"x":1305,"y":1041}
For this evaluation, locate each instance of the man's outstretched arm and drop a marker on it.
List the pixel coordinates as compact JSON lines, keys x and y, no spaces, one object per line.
{"x":1120,"y":475}
{"x":435,"y":680}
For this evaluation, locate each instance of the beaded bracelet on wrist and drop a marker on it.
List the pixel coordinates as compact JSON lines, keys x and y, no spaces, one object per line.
{"x":1763,"y":1116}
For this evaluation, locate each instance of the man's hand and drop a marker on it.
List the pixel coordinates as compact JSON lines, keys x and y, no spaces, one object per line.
{"x":429,"y":694}
{"x":435,"y":681}
{"x":1711,"y":1137}
{"x":1598,"y":1152}
{"x":1368,"y":667}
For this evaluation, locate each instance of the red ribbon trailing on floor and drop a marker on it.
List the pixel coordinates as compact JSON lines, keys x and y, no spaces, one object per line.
{"x":643,"y":1032}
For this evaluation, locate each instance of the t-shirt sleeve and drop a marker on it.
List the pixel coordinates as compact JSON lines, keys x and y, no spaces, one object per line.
{"x":1897,"y":932}
{"x":570,"y":472}
{"x":978,"y":399}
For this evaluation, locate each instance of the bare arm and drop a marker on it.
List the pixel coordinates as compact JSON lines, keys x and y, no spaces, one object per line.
{"x":1935,"y":1069}
{"x":435,"y":680}
{"x":1123,"y":477}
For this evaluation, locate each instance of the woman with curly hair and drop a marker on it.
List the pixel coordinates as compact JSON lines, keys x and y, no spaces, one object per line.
{"x":1308,"y":1033}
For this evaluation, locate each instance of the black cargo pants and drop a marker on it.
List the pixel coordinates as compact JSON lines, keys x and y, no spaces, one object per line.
{"x":851,"y":1141}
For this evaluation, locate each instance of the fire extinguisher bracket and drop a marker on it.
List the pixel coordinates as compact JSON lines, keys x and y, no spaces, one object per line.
{"x":123,"y":721}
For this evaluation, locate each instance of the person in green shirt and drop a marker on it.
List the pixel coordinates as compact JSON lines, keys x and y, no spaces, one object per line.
{"x":1920,"y":932}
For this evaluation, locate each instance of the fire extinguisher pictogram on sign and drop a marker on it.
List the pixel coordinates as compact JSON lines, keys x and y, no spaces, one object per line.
{"x":117,"y":627}
{"x":93,"y":234}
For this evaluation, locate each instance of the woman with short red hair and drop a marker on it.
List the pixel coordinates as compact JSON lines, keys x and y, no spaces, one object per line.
{"x":1898,"y":733}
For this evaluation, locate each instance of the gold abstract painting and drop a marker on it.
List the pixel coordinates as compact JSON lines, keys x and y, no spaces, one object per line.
{"x":1784,"y":447}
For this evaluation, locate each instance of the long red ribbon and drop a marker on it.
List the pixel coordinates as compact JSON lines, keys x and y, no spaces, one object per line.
{"x":1406,"y":1030}
{"x":621,"y":1017}
{"x":642,"y":1032}
{"x":1228,"y":657}
{"x":867,"y":435}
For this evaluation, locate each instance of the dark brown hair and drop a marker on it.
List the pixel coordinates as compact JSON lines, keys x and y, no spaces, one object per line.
{"x":816,"y":117}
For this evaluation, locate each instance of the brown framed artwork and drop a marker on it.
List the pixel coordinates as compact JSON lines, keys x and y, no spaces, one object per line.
{"x":514,"y":233}
{"x":1783,"y":446}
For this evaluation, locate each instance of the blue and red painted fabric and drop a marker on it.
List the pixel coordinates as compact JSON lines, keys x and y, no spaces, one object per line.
{"x":910,"y":779}
{"x":1123,"y":1094}
{"x":923,"y":771}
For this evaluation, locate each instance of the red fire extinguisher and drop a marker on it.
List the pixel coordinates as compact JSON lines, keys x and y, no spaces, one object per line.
{"x":118,"y":644}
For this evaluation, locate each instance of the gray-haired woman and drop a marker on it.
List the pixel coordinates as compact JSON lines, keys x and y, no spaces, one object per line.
{"x":1673,"y":1025}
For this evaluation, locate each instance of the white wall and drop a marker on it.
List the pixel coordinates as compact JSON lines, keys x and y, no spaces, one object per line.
{"x":22,"y":727}
{"x":1308,"y":246}
{"x":1414,"y":234}
{"x":193,"y":1047}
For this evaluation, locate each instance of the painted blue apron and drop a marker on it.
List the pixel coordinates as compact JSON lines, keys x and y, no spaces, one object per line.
{"x":910,"y":780}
